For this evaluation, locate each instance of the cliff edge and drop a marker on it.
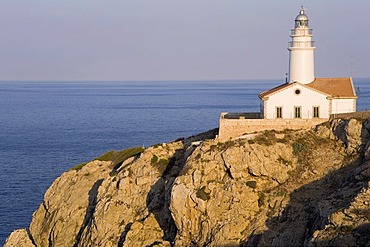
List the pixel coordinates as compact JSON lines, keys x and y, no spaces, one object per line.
{"x":287,"y":188}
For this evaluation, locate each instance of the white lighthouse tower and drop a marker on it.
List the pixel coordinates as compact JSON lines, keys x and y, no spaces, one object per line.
{"x":301,"y":51}
{"x":305,"y":101}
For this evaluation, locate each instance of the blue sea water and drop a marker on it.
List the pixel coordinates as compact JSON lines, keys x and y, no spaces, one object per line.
{"x":48,"y":127}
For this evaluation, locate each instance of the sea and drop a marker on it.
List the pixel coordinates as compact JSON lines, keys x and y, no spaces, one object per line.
{"x":48,"y":127}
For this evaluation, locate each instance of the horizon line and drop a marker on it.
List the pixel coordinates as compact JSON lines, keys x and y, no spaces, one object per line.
{"x":154,"y":80}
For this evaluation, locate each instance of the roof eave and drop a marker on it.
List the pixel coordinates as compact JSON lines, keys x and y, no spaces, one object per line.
{"x":343,"y":97}
{"x":353,"y":87}
{"x":266,"y":94}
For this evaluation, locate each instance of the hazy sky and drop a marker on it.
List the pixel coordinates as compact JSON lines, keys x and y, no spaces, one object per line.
{"x":176,"y":40}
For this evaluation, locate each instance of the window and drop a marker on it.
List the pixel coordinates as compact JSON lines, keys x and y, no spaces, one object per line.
{"x":297,"y":112}
{"x":316,"y":112}
{"x":279,"y":112}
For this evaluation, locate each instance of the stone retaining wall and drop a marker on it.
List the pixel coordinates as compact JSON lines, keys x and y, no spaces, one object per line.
{"x":231,"y":128}
{"x":360,"y":115}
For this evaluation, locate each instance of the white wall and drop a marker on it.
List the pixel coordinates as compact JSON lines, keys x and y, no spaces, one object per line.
{"x":307,"y":99}
{"x":301,"y":58}
{"x":343,"y":105}
{"x":301,"y":66}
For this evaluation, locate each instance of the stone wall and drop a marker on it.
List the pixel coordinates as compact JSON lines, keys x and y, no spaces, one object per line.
{"x":359,"y":115}
{"x":231,"y":128}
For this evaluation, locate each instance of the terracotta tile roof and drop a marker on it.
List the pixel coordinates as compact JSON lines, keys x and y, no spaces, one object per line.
{"x":333,"y":87}
{"x":336,"y":87}
{"x":275,"y":89}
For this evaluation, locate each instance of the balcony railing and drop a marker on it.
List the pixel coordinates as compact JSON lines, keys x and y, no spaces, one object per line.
{"x":301,"y":44}
{"x":301,"y":32}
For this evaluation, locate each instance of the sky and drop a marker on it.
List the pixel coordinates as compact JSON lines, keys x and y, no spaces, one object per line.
{"x":69,"y":40}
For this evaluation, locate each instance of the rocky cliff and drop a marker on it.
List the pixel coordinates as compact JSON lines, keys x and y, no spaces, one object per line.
{"x":290,"y":188}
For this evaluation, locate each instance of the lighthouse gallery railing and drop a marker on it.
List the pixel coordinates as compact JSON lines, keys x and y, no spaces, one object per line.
{"x":301,"y":44}
{"x":301,"y":32}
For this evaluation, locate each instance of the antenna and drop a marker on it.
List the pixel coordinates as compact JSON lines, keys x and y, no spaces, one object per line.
{"x":352,"y":69}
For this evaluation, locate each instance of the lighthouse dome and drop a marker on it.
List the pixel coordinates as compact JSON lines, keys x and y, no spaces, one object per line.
{"x":302,"y":16}
{"x":301,"y":21}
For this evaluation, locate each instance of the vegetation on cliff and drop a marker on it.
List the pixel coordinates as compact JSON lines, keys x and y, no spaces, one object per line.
{"x":300,"y":188}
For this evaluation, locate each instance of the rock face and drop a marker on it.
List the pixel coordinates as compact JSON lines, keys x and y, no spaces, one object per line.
{"x":19,"y":238}
{"x":292,"y":188}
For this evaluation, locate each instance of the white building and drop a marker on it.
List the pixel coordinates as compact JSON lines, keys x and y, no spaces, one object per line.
{"x":304,"y":96}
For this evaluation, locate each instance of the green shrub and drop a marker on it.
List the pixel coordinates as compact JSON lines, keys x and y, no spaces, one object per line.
{"x":302,"y":149}
{"x":119,"y":157}
{"x":157,"y":145}
{"x":154,"y":159}
{"x":225,"y":145}
{"x":113,"y":173}
{"x":267,"y":138}
{"x":252,"y":184}
{"x":116,"y":158}
{"x":202,"y":194}
{"x":78,"y":167}
{"x":212,"y":147}
{"x":161,"y":164}
{"x":250,"y":141}
{"x":299,"y":146}
{"x":261,"y":199}
{"x":108,"y":156}
{"x":123,"y":155}
{"x":281,"y":192}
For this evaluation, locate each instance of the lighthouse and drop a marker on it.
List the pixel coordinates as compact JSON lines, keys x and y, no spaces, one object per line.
{"x":299,"y":103}
{"x":301,"y":51}
{"x":306,"y":96}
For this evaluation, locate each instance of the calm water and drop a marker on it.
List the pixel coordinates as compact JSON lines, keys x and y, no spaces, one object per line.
{"x":46,"y":128}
